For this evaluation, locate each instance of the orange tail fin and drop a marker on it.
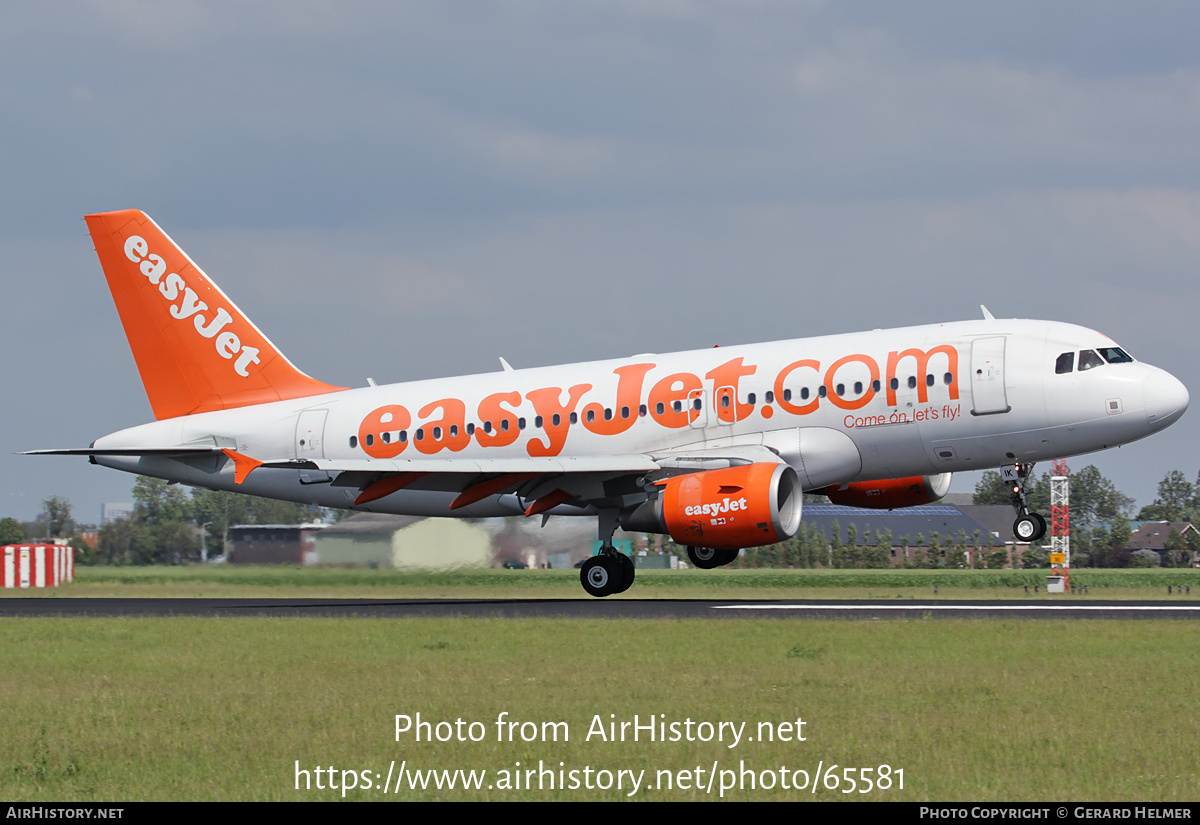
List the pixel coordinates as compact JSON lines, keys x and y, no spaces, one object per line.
{"x":194,"y":348}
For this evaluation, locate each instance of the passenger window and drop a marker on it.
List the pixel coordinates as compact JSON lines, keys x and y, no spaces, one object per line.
{"x":556,"y":419}
{"x":1065,"y":363}
{"x":875,"y":385}
{"x":840,"y":390}
{"x":929,"y":380}
{"x":822,"y":391}
{"x":804,"y":393}
{"x":1088,"y":359}
{"x":750,"y":399}
{"x":770,"y":397}
{"x":948,"y":378}
{"x":894,"y":383}
{"x":353,"y":441}
{"x":858,"y":387}
{"x":912,"y":382}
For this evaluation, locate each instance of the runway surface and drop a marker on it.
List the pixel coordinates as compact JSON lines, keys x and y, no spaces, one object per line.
{"x":602,"y":609}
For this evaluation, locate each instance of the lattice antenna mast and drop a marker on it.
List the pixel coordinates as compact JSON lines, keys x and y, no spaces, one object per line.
{"x":1060,"y":523}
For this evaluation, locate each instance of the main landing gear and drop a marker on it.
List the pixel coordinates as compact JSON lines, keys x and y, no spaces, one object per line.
{"x":1029,"y":526}
{"x":706,"y":558}
{"x":610,"y":572}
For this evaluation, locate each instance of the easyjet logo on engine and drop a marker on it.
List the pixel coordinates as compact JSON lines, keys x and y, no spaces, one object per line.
{"x":227,"y":343}
{"x":725,"y":506}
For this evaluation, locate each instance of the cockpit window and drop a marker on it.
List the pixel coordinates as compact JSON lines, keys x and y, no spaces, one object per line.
{"x":1065,"y":363}
{"x":1089,"y":359}
{"x":1115,"y":355}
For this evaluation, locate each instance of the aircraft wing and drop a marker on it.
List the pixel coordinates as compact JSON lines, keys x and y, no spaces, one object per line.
{"x":546,"y":482}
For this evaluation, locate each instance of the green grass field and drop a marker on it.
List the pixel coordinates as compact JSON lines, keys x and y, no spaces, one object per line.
{"x":296,"y":582}
{"x":231,"y":709}
{"x":196,"y":709}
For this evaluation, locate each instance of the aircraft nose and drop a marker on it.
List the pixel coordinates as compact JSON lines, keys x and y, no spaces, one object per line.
{"x":1166,"y":398}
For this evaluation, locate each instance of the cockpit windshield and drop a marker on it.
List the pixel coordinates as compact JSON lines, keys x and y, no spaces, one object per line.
{"x":1090,"y":359}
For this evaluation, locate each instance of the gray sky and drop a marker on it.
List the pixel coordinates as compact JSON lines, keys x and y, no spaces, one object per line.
{"x":407,"y":190}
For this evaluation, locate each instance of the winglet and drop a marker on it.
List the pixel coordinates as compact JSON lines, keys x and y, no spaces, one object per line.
{"x":987,"y":316}
{"x":243,"y":465}
{"x":195,"y":350}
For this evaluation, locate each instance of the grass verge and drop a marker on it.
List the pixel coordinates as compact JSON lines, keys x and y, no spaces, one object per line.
{"x":230,"y":709}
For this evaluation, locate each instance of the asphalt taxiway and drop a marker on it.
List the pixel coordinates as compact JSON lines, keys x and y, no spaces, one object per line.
{"x":11,"y":607}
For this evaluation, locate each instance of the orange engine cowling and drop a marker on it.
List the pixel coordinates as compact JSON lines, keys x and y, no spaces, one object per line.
{"x":744,"y":506}
{"x":890,"y":493}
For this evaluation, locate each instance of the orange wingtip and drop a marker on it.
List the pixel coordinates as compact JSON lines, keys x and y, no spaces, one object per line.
{"x":243,"y":465}
{"x":195,"y":350}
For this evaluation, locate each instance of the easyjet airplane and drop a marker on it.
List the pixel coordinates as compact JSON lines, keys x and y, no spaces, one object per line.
{"x":712,"y":447}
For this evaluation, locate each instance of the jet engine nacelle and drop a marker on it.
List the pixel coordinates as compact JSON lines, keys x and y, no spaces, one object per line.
{"x":890,"y":493}
{"x":744,"y":506}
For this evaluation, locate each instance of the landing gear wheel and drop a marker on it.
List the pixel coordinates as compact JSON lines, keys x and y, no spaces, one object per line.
{"x":1029,"y":527}
{"x":628,"y":571}
{"x":728,"y":556}
{"x":705,"y":558}
{"x":601,"y":576}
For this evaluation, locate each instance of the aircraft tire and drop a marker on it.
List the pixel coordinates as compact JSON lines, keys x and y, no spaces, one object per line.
{"x":705,"y":558}
{"x":601,"y":576}
{"x":728,"y":557}
{"x":628,"y":572}
{"x":1029,"y":527}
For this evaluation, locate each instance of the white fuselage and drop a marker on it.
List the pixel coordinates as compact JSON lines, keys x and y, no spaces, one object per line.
{"x":861,"y":406}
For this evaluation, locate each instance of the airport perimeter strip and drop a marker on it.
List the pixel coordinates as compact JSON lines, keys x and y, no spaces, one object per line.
{"x":981,"y":607}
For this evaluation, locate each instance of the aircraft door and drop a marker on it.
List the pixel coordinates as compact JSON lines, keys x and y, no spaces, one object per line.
{"x":724,"y":406}
{"x":310,"y":434}
{"x":988,"y":394}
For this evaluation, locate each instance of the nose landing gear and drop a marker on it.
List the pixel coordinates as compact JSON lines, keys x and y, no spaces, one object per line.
{"x":1029,"y":526}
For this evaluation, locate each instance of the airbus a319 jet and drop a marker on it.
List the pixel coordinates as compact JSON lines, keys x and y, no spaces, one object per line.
{"x":712,"y":447}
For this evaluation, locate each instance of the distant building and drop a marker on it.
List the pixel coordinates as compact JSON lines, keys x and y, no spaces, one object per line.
{"x":273,"y":543}
{"x":951,"y":523}
{"x":403,"y":542}
{"x":1150,"y":538}
{"x":111,"y":511}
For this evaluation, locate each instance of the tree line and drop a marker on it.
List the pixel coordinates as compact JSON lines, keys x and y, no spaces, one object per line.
{"x":170,"y":524}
